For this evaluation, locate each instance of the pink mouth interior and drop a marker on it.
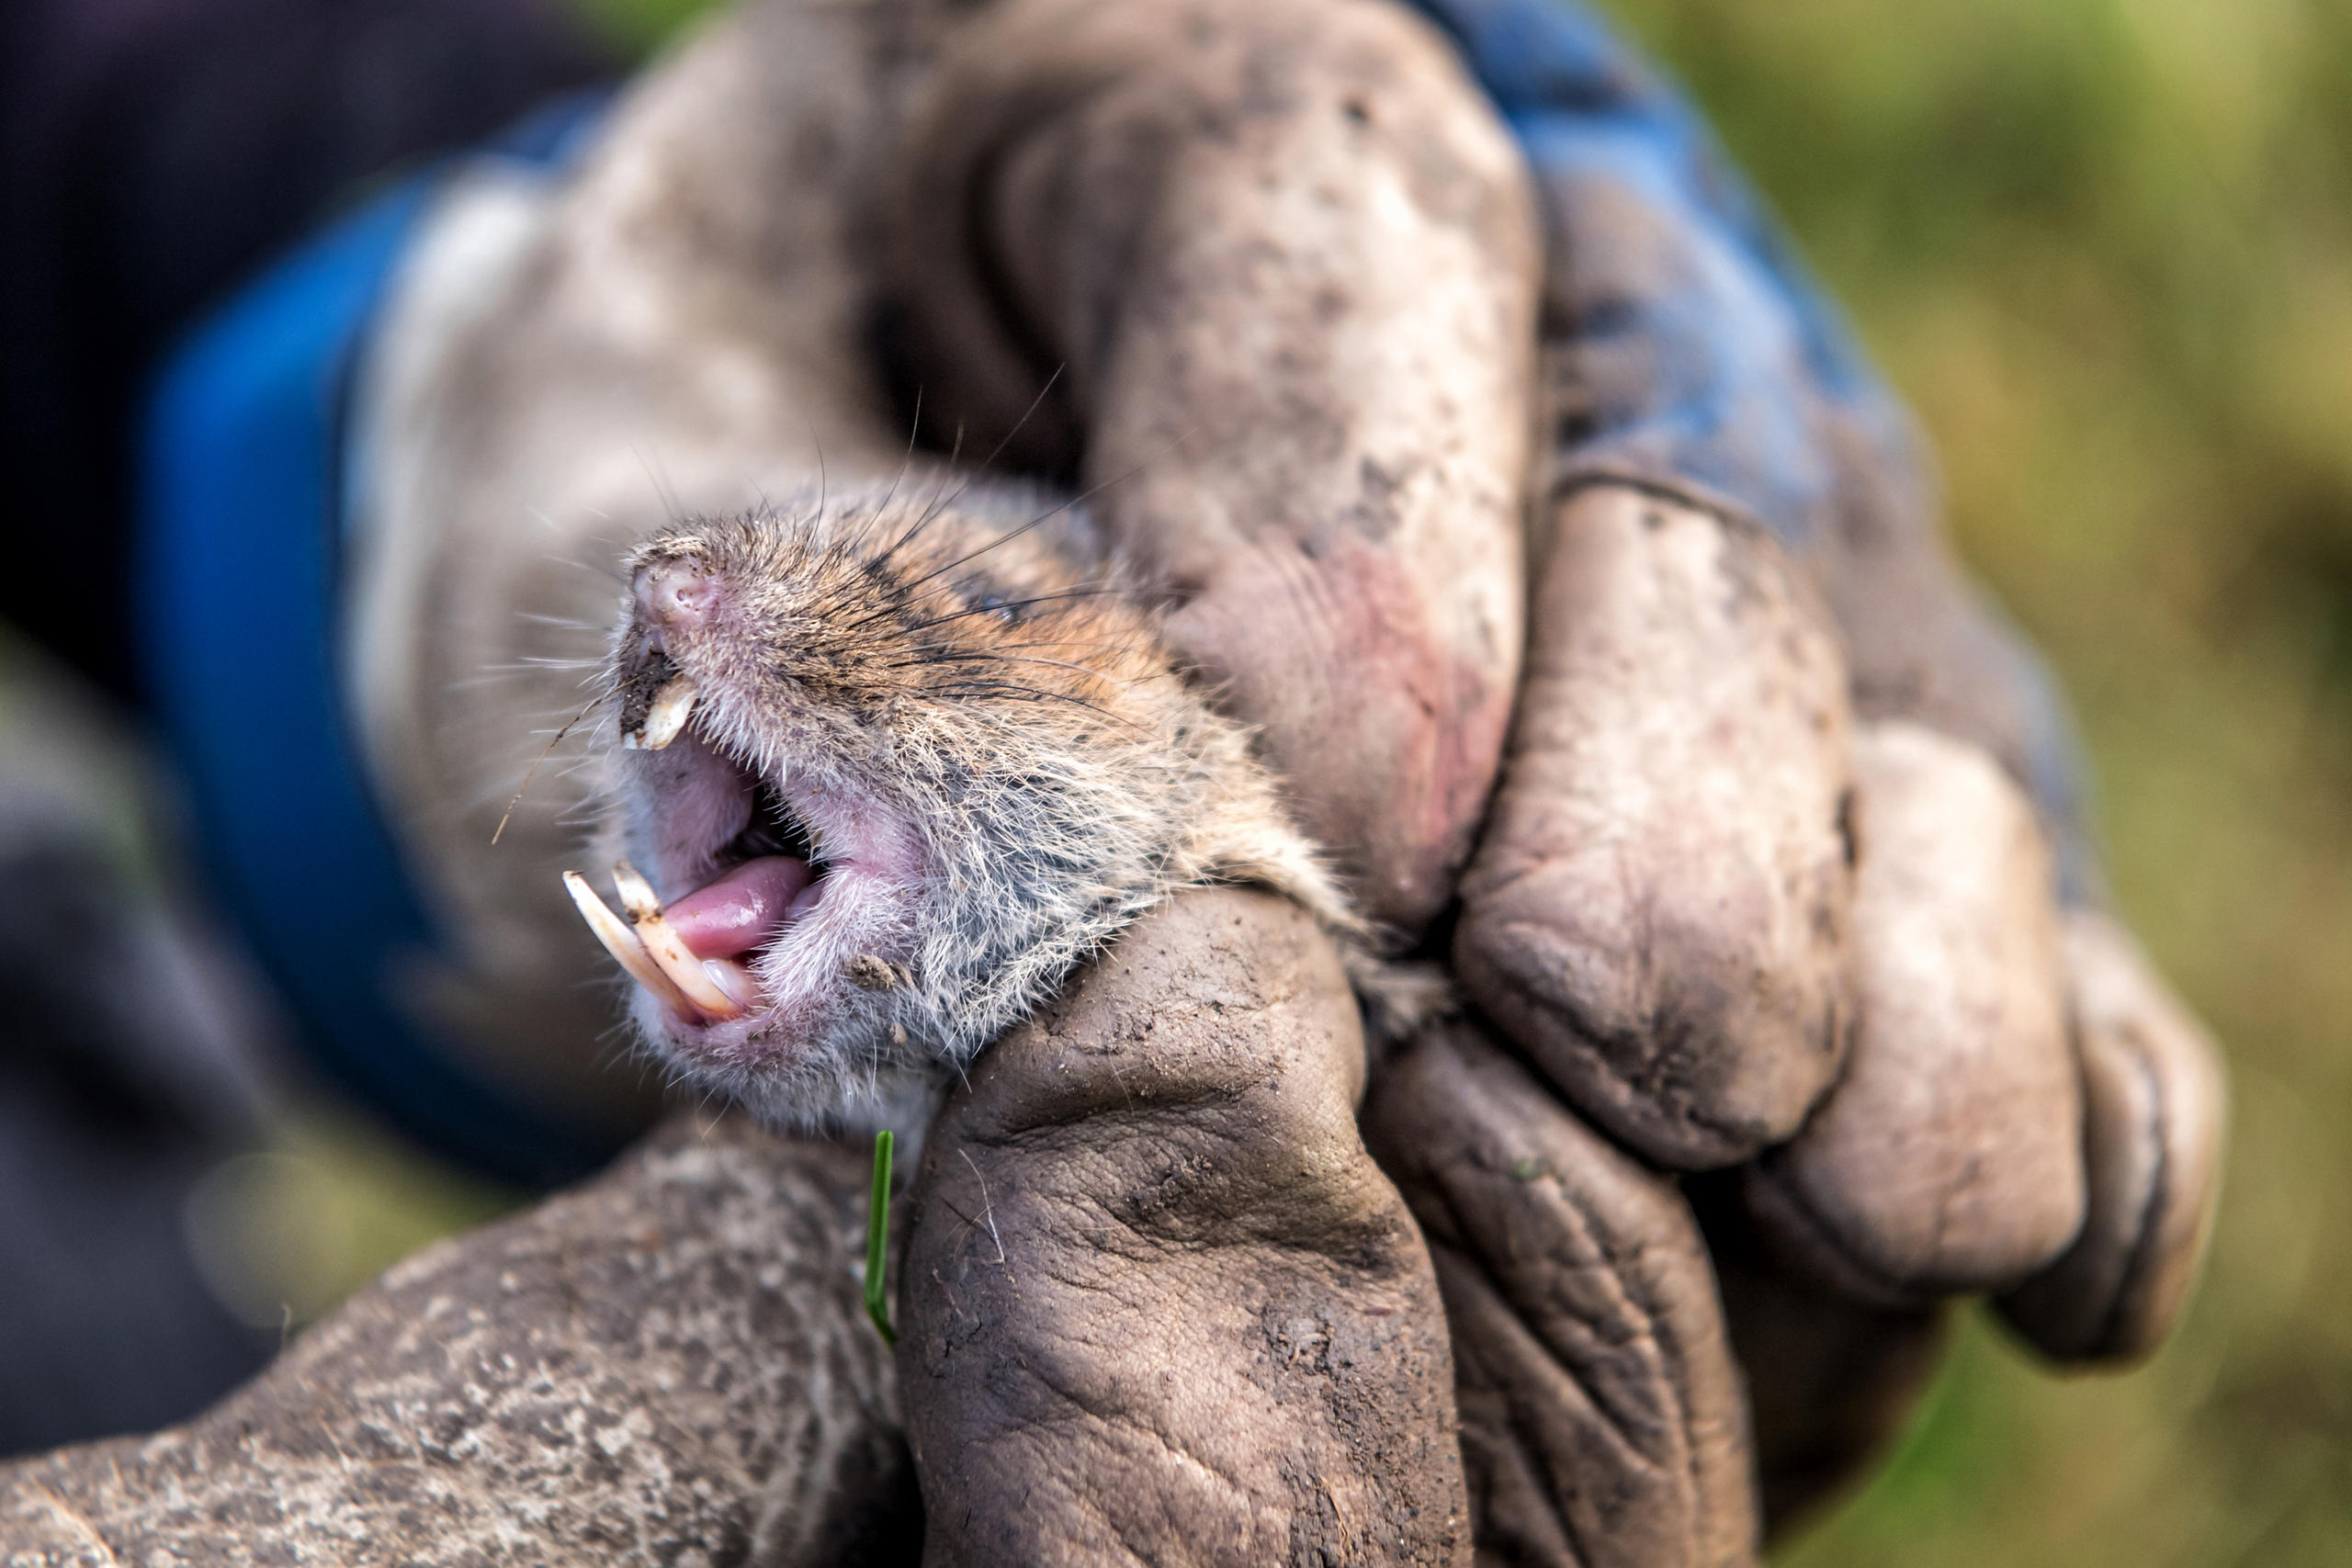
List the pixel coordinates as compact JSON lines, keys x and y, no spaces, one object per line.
{"x":747,"y":907}
{"x":758,"y":875}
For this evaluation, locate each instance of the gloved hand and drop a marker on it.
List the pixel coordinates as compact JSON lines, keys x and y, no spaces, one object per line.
{"x":1785,"y":870}
{"x":1759,"y":830}
{"x":2017,"y":1105}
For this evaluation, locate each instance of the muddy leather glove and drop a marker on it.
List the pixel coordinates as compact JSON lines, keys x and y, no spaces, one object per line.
{"x":1786,"y":870}
{"x":1275,"y":268}
{"x":1157,"y":1302}
{"x":1784,"y":873}
{"x":1825,"y":905}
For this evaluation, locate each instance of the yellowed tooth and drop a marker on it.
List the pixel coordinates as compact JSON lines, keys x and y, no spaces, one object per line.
{"x":668,"y":948}
{"x":623,"y":943}
{"x":637,"y":894}
{"x":673,"y":705}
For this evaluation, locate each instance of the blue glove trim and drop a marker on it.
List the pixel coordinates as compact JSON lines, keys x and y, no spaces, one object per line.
{"x":1705,"y":345}
{"x":240,"y":521}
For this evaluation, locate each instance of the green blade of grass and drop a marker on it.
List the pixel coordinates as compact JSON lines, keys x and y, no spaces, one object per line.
{"x":877,"y":1239}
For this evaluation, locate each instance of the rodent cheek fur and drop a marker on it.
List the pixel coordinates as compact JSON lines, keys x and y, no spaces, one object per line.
{"x":993,"y":767}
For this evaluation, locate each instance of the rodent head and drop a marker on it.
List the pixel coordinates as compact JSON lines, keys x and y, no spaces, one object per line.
{"x":890,"y":772}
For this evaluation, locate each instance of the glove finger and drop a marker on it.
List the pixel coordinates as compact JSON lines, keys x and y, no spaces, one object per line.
{"x":2155,"y":1105}
{"x":1282,"y":259}
{"x":673,"y":1352}
{"x":1949,"y":1159}
{"x":1832,"y":1382}
{"x":1158,"y":1297}
{"x":1657,"y":913}
{"x":1603,"y":1421}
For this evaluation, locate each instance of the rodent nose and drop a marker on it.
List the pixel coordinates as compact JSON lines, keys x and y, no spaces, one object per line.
{"x":675,"y":594}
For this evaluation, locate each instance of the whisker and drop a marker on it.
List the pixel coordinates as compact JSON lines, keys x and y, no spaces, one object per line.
{"x":1093,"y":591}
{"x":986,"y":463}
{"x":963,"y":650}
{"x":1085,"y":495}
{"x":981,"y":656}
{"x":542,"y":758}
{"x":1035,"y":403}
{"x":550,"y":662}
{"x":1015,"y":689}
{"x":825,"y":486}
{"x":914,"y":428}
{"x":602,"y":565}
{"x":930,"y":508}
{"x":663,"y":490}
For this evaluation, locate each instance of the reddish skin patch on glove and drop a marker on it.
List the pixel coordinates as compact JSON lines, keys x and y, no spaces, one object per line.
{"x":1389,"y":741}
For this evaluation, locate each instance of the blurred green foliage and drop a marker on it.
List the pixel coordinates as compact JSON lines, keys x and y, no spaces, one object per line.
{"x":2105,"y":248}
{"x":636,"y":26}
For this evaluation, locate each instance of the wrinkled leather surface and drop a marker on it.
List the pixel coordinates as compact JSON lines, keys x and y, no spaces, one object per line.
{"x":1603,"y":1421}
{"x":1660,"y":906}
{"x":1159,"y":1304}
{"x":1950,"y":1158}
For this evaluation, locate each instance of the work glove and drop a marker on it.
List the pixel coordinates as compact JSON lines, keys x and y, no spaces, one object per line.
{"x":1783,"y":873}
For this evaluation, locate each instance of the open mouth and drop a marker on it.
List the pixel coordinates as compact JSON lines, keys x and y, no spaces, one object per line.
{"x":751,"y":863}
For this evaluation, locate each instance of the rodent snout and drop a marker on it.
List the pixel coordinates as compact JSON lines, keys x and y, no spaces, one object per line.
{"x":675,"y":594}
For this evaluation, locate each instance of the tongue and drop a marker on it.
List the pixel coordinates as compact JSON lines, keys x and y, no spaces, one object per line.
{"x":742,"y":909}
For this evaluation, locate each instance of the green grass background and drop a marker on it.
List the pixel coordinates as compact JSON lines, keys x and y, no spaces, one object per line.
{"x":2105,"y":248}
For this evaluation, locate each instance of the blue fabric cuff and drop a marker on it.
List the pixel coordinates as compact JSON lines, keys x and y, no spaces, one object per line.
{"x":240,"y":518}
{"x":1703,"y":355}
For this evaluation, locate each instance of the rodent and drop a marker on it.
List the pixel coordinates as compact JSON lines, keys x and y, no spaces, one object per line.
{"x":893,"y":765}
